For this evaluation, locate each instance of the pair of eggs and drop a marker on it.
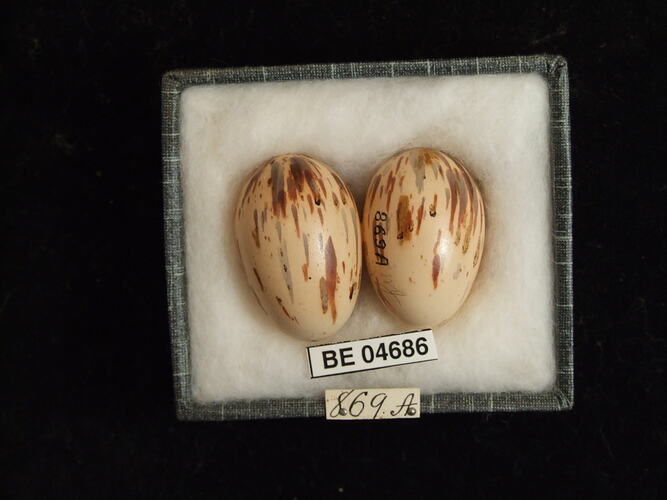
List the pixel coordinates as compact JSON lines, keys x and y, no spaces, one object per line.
{"x":301,"y":240}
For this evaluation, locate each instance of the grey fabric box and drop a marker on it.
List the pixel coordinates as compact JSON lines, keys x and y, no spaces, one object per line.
{"x":553,"y":68}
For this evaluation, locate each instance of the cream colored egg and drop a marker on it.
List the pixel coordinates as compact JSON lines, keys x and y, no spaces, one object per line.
{"x":423,"y":235}
{"x":298,"y":234}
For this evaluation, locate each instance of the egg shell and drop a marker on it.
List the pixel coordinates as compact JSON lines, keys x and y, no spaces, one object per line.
{"x":298,"y":235}
{"x":423,"y":229}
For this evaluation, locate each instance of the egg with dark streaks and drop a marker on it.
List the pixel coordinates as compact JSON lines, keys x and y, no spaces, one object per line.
{"x":298,"y":235}
{"x":423,"y":229}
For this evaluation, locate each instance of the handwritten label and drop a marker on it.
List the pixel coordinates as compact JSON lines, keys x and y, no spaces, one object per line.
{"x":370,"y":354}
{"x":378,"y":238}
{"x":372,"y":404}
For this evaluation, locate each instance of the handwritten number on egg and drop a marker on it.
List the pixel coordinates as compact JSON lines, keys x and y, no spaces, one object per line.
{"x":378,"y":240}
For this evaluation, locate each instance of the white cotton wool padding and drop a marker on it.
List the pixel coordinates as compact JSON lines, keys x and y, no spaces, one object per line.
{"x":502,"y":337}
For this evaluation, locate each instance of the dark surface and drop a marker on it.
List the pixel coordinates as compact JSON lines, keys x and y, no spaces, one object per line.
{"x":87,"y":405}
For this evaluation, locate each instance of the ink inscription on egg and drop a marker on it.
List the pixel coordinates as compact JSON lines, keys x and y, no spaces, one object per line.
{"x":423,"y":229}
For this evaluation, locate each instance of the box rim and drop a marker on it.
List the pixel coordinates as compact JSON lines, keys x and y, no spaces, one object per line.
{"x":552,"y":67}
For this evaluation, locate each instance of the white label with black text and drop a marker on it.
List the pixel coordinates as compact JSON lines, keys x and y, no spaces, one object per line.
{"x":373,"y":353}
{"x":371,"y":404}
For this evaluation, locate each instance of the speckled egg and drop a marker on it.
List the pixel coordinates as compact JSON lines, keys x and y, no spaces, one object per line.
{"x":423,"y":235}
{"x":298,"y":234}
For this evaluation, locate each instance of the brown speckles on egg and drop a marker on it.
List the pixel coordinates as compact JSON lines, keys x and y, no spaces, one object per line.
{"x":436,"y":247}
{"x":284,"y":310}
{"x":476,"y":256}
{"x":276,"y":214}
{"x":279,"y":230}
{"x":419,"y":168}
{"x":297,"y":168}
{"x":324,"y":295}
{"x":295,"y":216}
{"x":306,"y":250}
{"x":344,"y":217}
{"x":374,"y":186}
{"x":423,"y":262}
{"x":255,"y":232}
{"x":435,"y":273}
{"x":437,"y":252}
{"x":287,"y":271}
{"x":315,"y":166}
{"x":291,"y":189}
{"x":404,"y":219}
{"x":261,"y":285}
{"x":464,"y":201}
{"x":259,"y":302}
{"x":328,"y":283}
{"x":252,"y":183}
{"x":342,"y":189}
{"x":279,"y":200}
{"x":354,"y":217}
{"x":324,"y":189}
{"x":454,"y":186}
{"x":391,"y":182}
{"x":313,"y":185}
{"x":427,"y":156}
{"x":420,"y":215}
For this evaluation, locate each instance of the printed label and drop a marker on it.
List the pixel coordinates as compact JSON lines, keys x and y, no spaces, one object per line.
{"x":370,"y":354}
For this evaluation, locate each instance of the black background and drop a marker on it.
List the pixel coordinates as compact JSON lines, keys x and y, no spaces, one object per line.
{"x":87,"y":405}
